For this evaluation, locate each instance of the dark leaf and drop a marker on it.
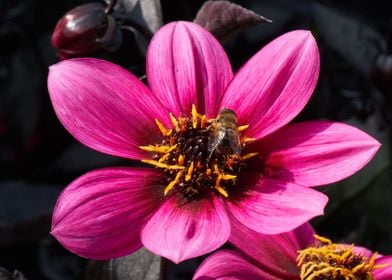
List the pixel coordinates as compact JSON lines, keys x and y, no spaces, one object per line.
{"x":19,"y":99}
{"x":6,"y":275}
{"x":152,"y":13}
{"x":225,"y":19}
{"x":80,"y":158}
{"x":25,"y":211}
{"x":112,"y":38}
{"x":123,"y":6}
{"x":141,"y":265}
{"x":140,"y":39}
{"x":58,"y":263}
{"x":358,"y":43}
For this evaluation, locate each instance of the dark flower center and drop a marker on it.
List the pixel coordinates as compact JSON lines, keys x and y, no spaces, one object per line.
{"x":330,"y":261}
{"x":200,"y":156}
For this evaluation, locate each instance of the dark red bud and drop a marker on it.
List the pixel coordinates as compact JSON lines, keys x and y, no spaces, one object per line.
{"x":80,"y":30}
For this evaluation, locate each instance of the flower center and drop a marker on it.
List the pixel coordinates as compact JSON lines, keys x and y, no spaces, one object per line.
{"x":331,"y":261}
{"x":199,"y":155}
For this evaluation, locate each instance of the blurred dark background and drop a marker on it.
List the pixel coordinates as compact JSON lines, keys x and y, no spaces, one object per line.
{"x":38,"y":158}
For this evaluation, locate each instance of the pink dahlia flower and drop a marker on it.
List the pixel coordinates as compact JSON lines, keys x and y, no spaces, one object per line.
{"x":294,"y":255}
{"x":204,"y":166}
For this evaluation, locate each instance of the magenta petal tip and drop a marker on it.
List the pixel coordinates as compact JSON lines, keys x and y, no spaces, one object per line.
{"x":100,"y":214}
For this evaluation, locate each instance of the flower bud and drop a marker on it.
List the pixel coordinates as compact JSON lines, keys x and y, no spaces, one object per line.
{"x":84,"y":29}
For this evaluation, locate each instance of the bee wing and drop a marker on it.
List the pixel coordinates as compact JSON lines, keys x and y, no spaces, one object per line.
{"x":234,"y":140}
{"x":215,"y":139}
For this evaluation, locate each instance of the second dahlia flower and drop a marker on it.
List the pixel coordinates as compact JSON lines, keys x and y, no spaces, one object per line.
{"x":296,"y":255}
{"x":216,"y":147}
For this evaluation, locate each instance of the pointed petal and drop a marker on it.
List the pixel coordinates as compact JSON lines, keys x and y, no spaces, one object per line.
{"x":275,"y":253}
{"x":384,"y":273}
{"x":316,"y":153}
{"x":228,"y":264}
{"x":275,"y":84}
{"x":273,"y":207}
{"x":186,"y":65}
{"x":104,"y":106}
{"x":181,"y":231}
{"x":100,"y":215}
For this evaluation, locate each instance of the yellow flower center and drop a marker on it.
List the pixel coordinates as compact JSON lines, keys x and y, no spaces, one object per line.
{"x":200,"y":155}
{"x":330,"y":261}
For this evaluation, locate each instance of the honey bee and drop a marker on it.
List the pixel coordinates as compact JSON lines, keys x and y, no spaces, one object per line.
{"x":224,"y":136}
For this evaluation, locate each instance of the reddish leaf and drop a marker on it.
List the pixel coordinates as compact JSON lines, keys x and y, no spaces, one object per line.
{"x":224,"y":19}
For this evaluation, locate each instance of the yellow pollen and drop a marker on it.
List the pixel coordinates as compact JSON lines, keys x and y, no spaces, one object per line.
{"x":162,"y":165}
{"x":172,"y":148}
{"x":164,"y":157}
{"x":181,"y":160}
{"x":188,"y":175}
{"x":228,"y":177}
{"x":248,"y":156}
{"x":194,"y":116}
{"x":163,"y":149}
{"x":173,"y":183}
{"x":323,"y":239}
{"x":174,"y":122}
{"x":335,"y":261}
{"x":243,"y":127}
{"x":222,"y":191}
{"x":248,"y":140}
{"x":198,"y":118}
{"x":222,"y":176}
{"x":182,"y":124}
{"x":219,"y":188}
{"x":164,"y":130}
{"x":187,"y":159}
{"x":152,"y":148}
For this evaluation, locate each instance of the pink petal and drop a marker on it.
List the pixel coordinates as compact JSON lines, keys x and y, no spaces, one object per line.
{"x":275,"y":253}
{"x":363,"y":251}
{"x":302,"y":236}
{"x":186,"y":65}
{"x":100,"y":215}
{"x":384,"y":273}
{"x":316,"y":153}
{"x":227,"y":264}
{"x":273,"y":207}
{"x":275,"y":84}
{"x":180,"y":231}
{"x":104,"y":106}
